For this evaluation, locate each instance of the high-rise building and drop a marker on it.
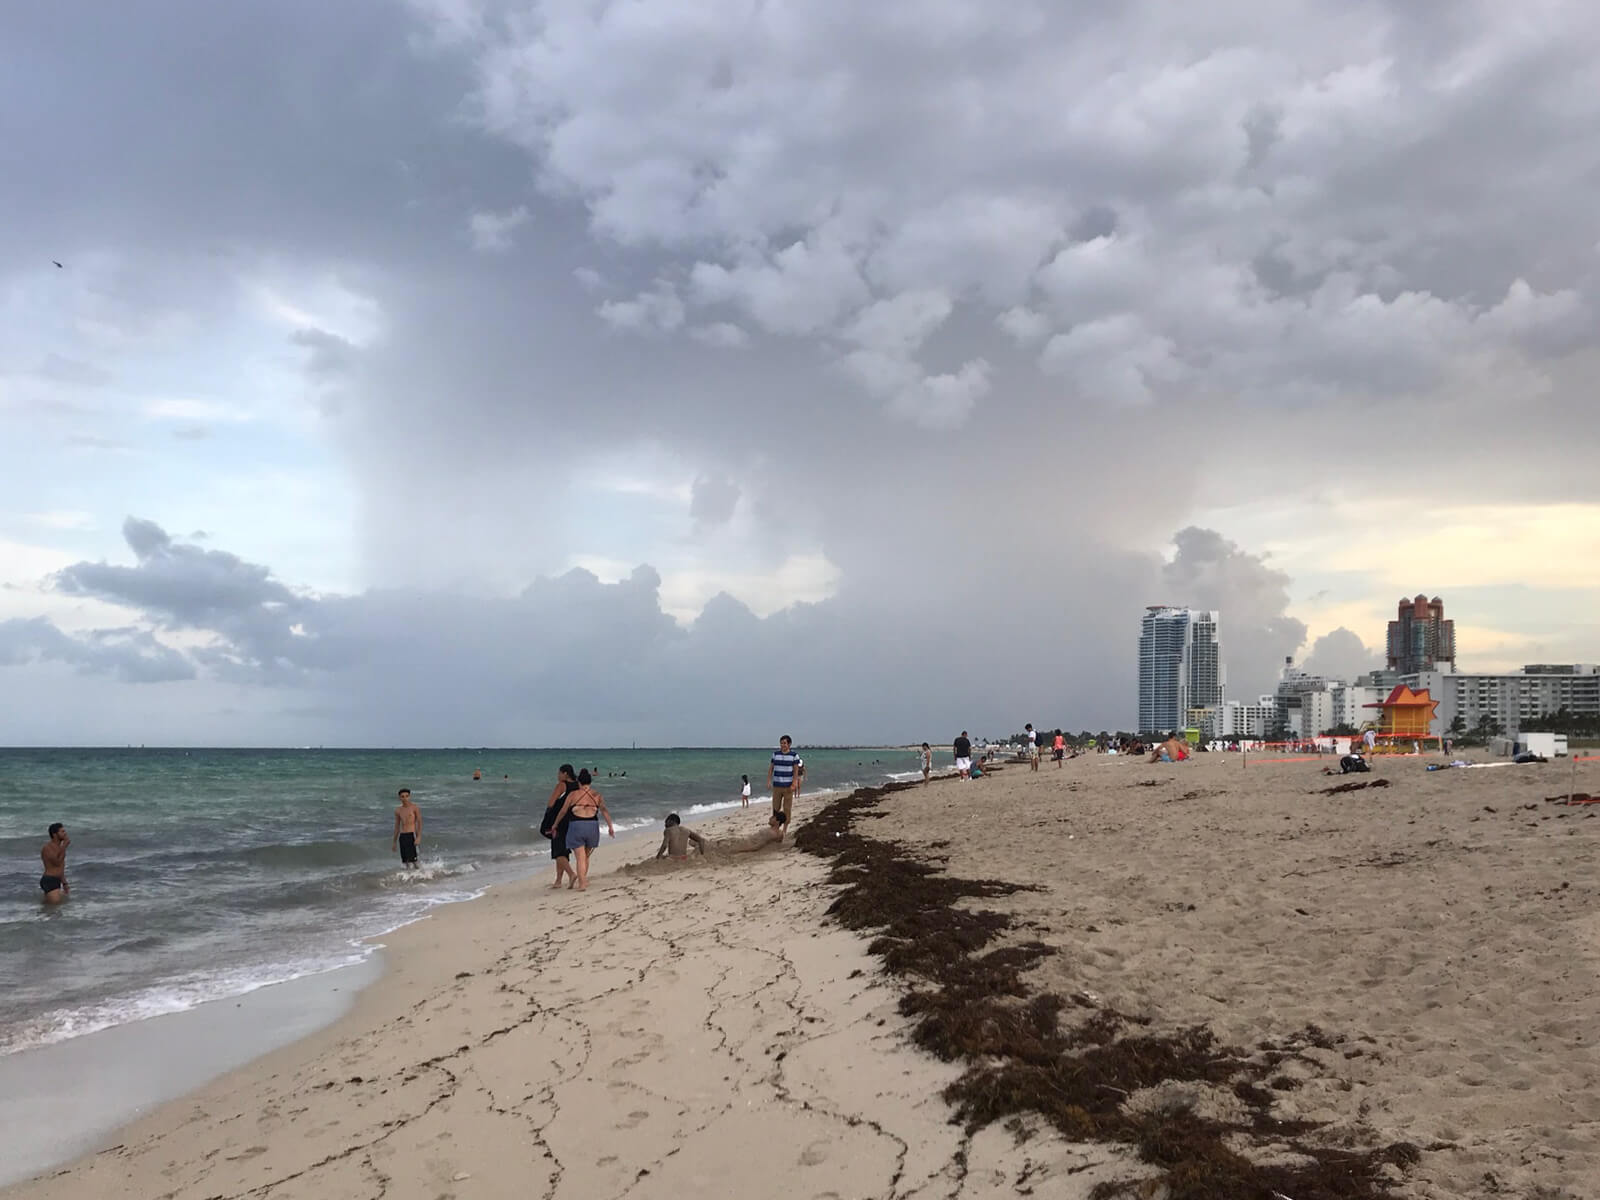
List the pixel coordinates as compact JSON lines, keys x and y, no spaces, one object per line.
{"x":1180,"y":666}
{"x":1420,"y":639}
{"x":1511,"y":700}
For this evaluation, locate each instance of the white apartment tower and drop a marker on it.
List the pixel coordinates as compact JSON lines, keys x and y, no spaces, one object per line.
{"x":1180,"y":666}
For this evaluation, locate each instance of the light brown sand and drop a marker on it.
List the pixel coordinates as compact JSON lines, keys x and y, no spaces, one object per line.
{"x":1445,"y":931}
{"x":703,"y":1028}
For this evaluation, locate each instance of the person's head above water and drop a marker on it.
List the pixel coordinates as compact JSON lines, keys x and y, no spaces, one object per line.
{"x":54,"y":830}
{"x":566,"y":772}
{"x":672,"y":819}
{"x":585,"y":778}
{"x":404,"y":794}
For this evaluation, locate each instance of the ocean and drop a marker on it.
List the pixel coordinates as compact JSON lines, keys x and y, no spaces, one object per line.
{"x":202,"y":874}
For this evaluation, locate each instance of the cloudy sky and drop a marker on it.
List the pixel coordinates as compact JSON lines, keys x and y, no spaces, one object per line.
{"x":587,"y":371}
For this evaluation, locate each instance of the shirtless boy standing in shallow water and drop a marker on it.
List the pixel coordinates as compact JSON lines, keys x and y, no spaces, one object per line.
{"x":407,"y":829}
{"x":53,"y":883}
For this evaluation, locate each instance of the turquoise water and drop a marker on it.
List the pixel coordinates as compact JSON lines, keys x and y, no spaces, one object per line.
{"x":198,"y":874}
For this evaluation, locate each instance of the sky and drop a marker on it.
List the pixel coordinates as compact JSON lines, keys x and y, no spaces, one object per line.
{"x":564,"y":372}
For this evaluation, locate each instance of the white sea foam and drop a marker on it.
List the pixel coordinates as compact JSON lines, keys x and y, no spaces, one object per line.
{"x":169,"y":997}
{"x":718,"y":806}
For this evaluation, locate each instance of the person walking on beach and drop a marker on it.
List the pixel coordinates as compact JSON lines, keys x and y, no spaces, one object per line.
{"x":407,"y":829}
{"x":556,"y":831}
{"x":587,"y":806}
{"x":53,"y":883}
{"x":1059,"y":748}
{"x":927,"y":762}
{"x":780,"y":777}
{"x":675,"y":839}
{"x":962,"y":748}
{"x":1033,"y":746}
{"x":744,"y":796}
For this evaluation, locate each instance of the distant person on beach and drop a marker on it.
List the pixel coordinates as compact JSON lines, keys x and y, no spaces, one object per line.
{"x":477,"y":776}
{"x":927,"y":762}
{"x":962,"y":752}
{"x":1171,"y":750}
{"x":556,"y":831}
{"x":744,"y":794}
{"x":799,"y":775}
{"x":781,"y":777}
{"x":675,"y":839}
{"x":587,"y":806}
{"x":53,"y":883}
{"x":1059,"y":749}
{"x":407,"y":829}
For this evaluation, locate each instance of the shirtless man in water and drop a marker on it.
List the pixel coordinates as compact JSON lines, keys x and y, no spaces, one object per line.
{"x":53,"y":883}
{"x":407,"y":829}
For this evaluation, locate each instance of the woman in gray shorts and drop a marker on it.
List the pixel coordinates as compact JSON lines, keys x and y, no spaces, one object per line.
{"x":585,"y":806}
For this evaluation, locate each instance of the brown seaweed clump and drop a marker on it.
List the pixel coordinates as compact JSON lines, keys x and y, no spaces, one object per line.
{"x":1075,"y":1063}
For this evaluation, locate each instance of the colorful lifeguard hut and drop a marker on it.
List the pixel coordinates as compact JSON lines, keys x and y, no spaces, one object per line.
{"x":1406,"y":715}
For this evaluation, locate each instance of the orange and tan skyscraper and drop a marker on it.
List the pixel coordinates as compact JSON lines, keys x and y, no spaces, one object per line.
{"x":1420,"y":639}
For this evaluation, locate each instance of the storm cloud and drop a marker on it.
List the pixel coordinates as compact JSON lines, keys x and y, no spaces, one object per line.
{"x":553,"y":371}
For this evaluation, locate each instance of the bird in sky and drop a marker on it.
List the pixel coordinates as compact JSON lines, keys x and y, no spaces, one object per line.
{"x":58,"y":264}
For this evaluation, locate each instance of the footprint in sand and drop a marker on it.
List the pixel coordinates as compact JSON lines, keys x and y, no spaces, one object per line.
{"x":633,"y":1119}
{"x":814,"y":1154}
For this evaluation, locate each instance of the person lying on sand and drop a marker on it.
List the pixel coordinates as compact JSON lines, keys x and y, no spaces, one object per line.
{"x":675,"y":839}
{"x":771,"y":836}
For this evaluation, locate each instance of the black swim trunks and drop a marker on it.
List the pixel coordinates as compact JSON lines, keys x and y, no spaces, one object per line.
{"x":49,"y":883}
{"x":408,"y":847}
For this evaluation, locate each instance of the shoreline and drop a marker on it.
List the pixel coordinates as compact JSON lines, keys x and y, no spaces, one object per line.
{"x":149,"y":1063}
{"x":1249,"y":979}
{"x":139,"y":1066}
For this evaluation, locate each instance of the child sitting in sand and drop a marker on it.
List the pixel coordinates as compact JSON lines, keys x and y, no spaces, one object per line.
{"x":675,"y":839}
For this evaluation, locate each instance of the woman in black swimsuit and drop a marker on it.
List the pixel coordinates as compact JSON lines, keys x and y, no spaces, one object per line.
{"x":587,"y":806}
{"x":556,"y":831}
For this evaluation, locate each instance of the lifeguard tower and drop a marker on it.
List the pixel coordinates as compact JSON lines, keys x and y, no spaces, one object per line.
{"x":1405,"y":719}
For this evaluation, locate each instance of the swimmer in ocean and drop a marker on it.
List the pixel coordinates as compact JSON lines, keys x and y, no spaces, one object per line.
{"x":407,"y":829}
{"x":675,"y":840}
{"x":53,"y":883}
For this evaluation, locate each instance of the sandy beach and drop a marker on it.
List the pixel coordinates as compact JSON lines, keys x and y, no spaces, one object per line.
{"x":1397,"y":978}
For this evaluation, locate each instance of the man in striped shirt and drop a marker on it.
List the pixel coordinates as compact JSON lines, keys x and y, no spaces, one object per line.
{"x":780,"y":778}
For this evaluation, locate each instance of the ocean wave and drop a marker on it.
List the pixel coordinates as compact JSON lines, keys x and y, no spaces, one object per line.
{"x":717,"y":806}
{"x":165,"y":998}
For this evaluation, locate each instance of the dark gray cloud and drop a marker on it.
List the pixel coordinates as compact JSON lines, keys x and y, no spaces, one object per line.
{"x":181,"y":586}
{"x":1341,"y":654}
{"x":130,"y":655}
{"x":1209,"y":571}
{"x":713,"y":500}
{"x":572,"y":657}
{"x":810,"y":300}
